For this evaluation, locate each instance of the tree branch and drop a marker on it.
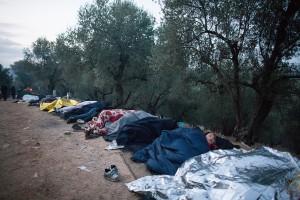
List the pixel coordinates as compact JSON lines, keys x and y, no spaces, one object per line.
{"x":283,"y":78}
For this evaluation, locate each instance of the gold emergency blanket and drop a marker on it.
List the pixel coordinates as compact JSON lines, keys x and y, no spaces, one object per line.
{"x":58,"y":103}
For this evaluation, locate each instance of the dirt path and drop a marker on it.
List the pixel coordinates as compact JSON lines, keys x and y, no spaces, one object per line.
{"x":38,"y":161}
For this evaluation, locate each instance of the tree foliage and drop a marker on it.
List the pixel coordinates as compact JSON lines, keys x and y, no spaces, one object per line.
{"x":242,"y":51}
{"x":44,"y":58}
{"x":277,"y":41}
{"x":116,"y":39}
{"x":5,"y":77}
{"x":24,"y":76}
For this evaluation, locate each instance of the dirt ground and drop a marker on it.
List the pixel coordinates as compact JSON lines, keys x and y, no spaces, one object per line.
{"x":38,"y":161}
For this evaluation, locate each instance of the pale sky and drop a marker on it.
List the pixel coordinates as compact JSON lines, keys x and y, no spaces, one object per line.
{"x":24,"y":21}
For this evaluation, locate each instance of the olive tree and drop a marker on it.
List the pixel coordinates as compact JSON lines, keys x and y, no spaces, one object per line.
{"x":245,"y":45}
{"x":116,"y":39}
{"x":47,"y":66}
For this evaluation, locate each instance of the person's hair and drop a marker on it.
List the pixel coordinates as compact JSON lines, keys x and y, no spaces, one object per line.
{"x":207,"y":132}
{"x":220,"y":143}
{"x":213,"y":145}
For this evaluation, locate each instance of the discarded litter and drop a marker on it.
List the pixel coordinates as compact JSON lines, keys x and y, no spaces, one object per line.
{"x":82,"y":147}
{"x":67,"y":132}
{"x":37,"y":145}
{"x":84,"y":168}
{"x":113,"y":145}
{"x":35,"y":175}
{"x":5,"y":146}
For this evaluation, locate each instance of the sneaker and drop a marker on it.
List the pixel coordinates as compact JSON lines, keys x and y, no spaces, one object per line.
{"x":114,"y":169}
{"x":80,"y":121}
{"x":112,"y":174}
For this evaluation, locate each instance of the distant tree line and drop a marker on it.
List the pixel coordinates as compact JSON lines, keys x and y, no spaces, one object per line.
{"x":223,"y":64}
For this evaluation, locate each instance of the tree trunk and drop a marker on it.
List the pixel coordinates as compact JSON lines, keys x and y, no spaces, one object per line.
{"x":237,"y":96}
{"x":119,"y":94}
{"x":263,"y":109}
{"x":266,"y":102}
{"x":118,"y":79}
{"x":51,"y":87}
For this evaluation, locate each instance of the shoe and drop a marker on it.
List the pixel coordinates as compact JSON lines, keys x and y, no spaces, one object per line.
{"x":61,"y":115}
{"x":89,"y":135}
{"x":114,"y":169}
{"x":112,"y":174}
{"x":76,"y":127}
{"x":70,"y":120}
{"x":80,"y":121}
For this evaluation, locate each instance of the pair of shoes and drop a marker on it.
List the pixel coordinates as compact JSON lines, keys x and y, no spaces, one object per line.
{"x":76,"y":127}
{"x":112,"y":173}
{"x":90,"y":135}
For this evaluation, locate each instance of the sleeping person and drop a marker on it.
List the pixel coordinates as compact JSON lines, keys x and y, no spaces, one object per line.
{"x":166,"y":154}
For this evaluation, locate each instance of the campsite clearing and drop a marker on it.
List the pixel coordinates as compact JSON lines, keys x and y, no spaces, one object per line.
{"x":39,"y":161}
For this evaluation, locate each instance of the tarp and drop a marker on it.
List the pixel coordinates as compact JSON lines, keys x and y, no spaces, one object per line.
{"x":29,"y":97}
{"x":114,"y":127}
{"x":58,"y":103}
{"x":263,"y":173}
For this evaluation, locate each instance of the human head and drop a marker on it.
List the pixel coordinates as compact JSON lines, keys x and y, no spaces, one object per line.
{"x":210,"y":137}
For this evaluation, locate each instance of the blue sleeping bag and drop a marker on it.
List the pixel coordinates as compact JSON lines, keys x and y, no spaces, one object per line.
{"x":166,"y":154}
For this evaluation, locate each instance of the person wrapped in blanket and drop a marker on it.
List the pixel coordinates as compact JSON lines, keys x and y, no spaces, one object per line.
{"x":169,"y":151}
{"x":96,"y":127}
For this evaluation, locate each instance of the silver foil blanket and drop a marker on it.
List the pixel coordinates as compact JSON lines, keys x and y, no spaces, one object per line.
{"x":263,"y":173}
